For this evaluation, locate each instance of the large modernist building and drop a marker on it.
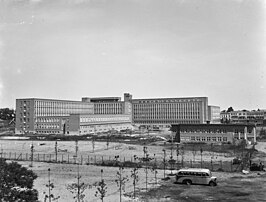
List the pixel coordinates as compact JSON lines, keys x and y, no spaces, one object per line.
{"x":163,"y":112}
{"x":92,"y":115}
{"x":48,"y":116}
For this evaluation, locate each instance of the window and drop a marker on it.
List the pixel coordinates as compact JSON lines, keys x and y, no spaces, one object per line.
{"x":203,"y":139}
{"x":214,"y":139}
{"x":198,"y":138}
{"x":208,"y":139}
{"x":192,"y":138}
{"x":219,"y":139}
{"x":225,"y":139}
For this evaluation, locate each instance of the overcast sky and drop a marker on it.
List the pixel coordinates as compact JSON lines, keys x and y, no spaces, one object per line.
{"x":68,"y":49}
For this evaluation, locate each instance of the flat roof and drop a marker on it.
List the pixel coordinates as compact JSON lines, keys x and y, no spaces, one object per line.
{"x":177,"y":127}
{"x":194,"y":169}
{"x":47,"y":99}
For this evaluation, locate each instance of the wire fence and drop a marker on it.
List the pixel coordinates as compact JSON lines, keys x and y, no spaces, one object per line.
{"x":155,"y":163}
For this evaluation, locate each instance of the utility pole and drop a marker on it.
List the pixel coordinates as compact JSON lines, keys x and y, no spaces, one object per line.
{"x":177,"y":154}
{"x":201,"y":157}
{"x":77,"y":148}
{"x":78,"y":194}
{"x":49,"y":185}
{"x":164,"y":156}
{"x":31,"y":150}
{"x":55,"y":151}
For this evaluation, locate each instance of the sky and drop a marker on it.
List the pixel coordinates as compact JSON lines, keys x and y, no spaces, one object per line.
{"x":69,"y":49}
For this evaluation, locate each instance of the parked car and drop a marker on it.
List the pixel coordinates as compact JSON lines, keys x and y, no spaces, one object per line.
{"x":195,"y":176}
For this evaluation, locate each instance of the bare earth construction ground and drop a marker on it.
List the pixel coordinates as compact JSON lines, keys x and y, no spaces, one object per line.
{"x":231,"y":186}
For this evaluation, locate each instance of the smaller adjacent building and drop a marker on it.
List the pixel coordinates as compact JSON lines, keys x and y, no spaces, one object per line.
{"x":214,"y":114}
{"x":214,"y":133}
{"x":82,"y":124}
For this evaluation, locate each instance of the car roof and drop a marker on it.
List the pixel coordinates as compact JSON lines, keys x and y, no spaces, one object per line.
{"x":194,"y":170}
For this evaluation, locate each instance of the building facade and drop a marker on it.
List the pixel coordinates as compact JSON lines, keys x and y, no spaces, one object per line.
{"x":166,"y":111}
{"x":214,"y":114}
{"x":49,"y":116}
{"x":46,"y":116}
{"x":214,"y":133}
{"x":244,"y":116}
{"x":82,"y":124}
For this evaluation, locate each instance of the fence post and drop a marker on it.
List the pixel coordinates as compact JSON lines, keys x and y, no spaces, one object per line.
{"x":88,"y":160}
{"x":81,"y":160}
{"x":62,"y":158}
{"x":38,"y":157}
{"x":68,"y":158}
{"x":231,"y":166}
{"x":102,"y":159}
{"x":94,"y":160}
{"x":211,"y":166}
{"x":50,"y":157}
{"x":43,"y":157}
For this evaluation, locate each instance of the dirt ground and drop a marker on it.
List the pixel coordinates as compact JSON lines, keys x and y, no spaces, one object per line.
{"x":231,"y":186}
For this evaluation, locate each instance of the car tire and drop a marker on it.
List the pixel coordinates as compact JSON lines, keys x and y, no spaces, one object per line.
{"x":187,"y":182}
{"x":212,"y":184}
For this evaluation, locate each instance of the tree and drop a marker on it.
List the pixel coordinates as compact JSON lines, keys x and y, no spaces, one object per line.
{"x":135,"y":176}
{"x":121,"y":180}
{"x":78,"y":189}
{"x":16,"y":183}
{"x":7,"y":114}
{"x":230,"y":109}
{"x":50,"y":187}
{"x":101,"y":188}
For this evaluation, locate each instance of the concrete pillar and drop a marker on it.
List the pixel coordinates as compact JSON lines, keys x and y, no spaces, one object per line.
{"x":254,"y":134}
{"x":245,"y":133}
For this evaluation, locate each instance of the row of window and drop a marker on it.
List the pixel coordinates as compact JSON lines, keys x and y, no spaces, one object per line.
{"x":138,"y":121}
{"x":103,"y":119}
{"x":193,"y":174}
{"x":47,"y":132}
{"x":208,"y":139}
{"x":160,"y":116}
{"x":48,"y":126}
{"x":203,"y":131}
{"x":60,"y":111}
{"x":48,"y":120}
{"x":194,"y":100}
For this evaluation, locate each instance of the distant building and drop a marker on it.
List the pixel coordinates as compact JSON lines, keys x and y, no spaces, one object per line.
{"x":214,"y":133}
{"x":214,"y":114}
{"x":244,"y":116}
